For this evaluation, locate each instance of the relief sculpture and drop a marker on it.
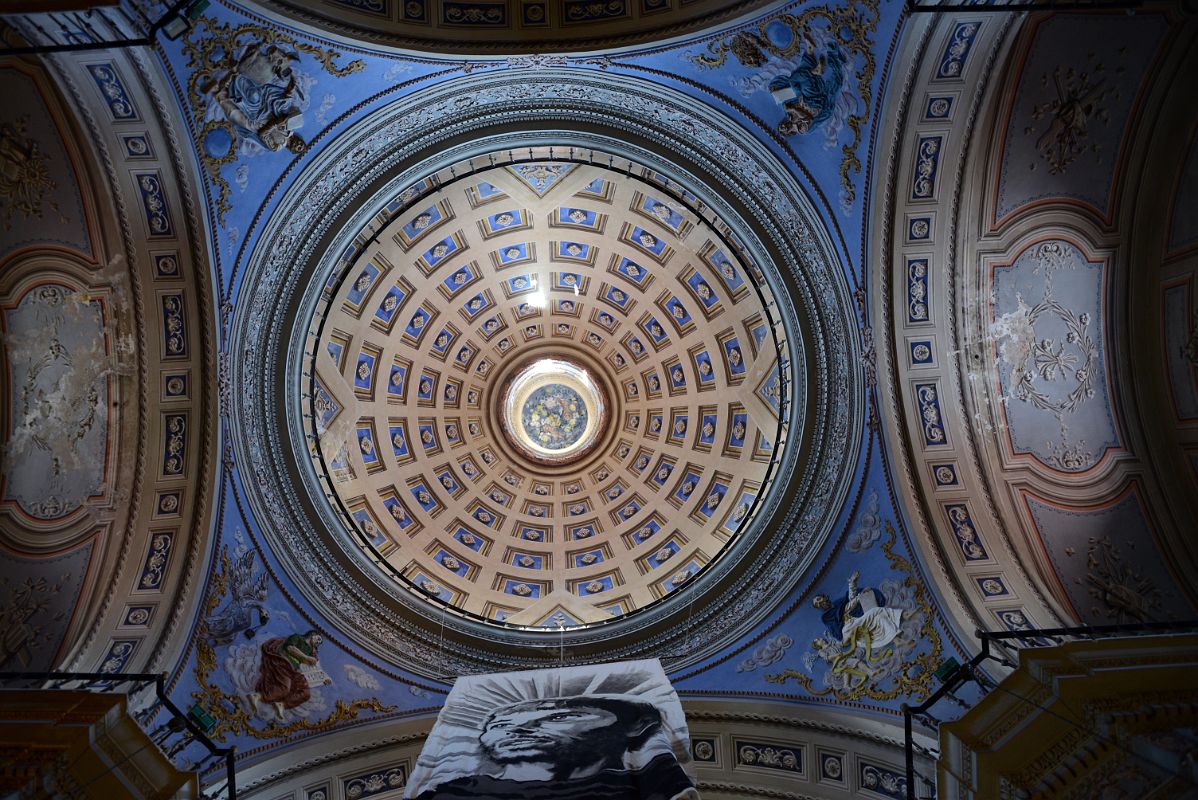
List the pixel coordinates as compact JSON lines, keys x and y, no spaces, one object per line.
{"x":25,"y":182}
{"x":27,"y":619}
{"x":1080,"y":98}
{"x":858,"y":621}
{"x":249,"y":90}
{"x":818,"y":66}
{"x":247,"y":599}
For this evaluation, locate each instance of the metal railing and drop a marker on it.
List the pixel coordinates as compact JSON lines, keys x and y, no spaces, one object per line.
{"x":172,"y":737}
{"x":100,"y":28}
{"x":991,"y":641}
{"x":937,"y":7}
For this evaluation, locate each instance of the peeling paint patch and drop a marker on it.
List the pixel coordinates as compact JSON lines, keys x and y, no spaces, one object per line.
{"x":1014,"y":335}
{"x":61,"y":365}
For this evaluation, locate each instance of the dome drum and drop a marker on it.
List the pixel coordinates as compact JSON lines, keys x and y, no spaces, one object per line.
{"x":688,"y":360}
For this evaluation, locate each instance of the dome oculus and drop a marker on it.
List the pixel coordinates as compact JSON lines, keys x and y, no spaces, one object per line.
{"x":552,"y":411}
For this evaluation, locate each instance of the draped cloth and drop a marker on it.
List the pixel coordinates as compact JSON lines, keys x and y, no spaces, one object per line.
{"x":279,"y":679}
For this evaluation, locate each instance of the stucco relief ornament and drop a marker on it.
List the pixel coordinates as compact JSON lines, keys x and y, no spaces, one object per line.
{"x":925,"y":168}
{"x":25,"y":183}
{"x":933,"y":429}
{"x":1126,"y":594}
{"x":883,"y":781}
{"x":536,"y":61}
{"x":769,"y":652}
{"x":871,"y":638}
{"x":60,"y":400}
{"x":1050,"y":360}
{"x":769,"y":757}
{"x":1073,"y":458}
{"x":1080,"y":99}
{"x":27,"y":617}
{"x":1190,"y":349}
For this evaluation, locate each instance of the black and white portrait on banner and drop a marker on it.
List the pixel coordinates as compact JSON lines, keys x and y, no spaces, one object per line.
{"x":599,"y":732}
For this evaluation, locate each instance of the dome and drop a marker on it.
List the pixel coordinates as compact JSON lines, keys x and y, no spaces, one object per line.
{"x":536,"y":372}
{"x":548,"y":392}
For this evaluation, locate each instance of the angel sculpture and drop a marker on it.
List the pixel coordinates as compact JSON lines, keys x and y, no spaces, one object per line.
{"x":859,"y":620}
{"x":247,"y":595}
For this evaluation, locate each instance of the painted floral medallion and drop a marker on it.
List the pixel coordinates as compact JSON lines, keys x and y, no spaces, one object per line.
{"x":552,"y":410}
{"x":554,"y":416}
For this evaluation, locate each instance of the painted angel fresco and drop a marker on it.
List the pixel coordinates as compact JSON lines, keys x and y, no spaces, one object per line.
{"x":281,"y":678}
{"x":245,"y":606}
{"x":257,"y":672}
{"x":815,"y":87}
{"x":818,"y":67}
{"x":860,"y":628}
{"x":876,"y":640}
{"x":263,"y":95}
{"x":812,"y":92}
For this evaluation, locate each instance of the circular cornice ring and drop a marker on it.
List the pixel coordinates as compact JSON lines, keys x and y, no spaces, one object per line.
{"x":345,"y":187}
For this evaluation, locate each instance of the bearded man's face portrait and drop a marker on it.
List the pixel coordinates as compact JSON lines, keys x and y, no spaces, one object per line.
{"x":606,"y":745}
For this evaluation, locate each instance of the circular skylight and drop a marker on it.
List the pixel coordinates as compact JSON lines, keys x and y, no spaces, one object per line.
{"x":553,"y":410}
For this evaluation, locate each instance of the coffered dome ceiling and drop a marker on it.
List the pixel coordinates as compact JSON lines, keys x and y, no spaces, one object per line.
{"x":532,"y":374}
{"x":511,"y":26}
{"x":549,"y":392}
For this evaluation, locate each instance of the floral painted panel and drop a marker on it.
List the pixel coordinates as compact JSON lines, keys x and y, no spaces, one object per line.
{"x":1049,"y":325}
